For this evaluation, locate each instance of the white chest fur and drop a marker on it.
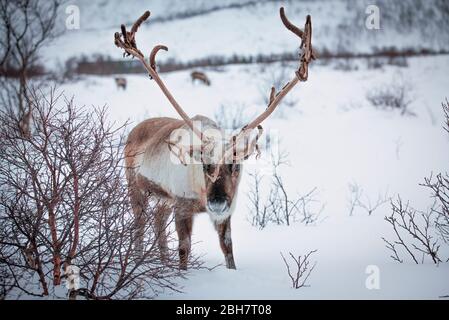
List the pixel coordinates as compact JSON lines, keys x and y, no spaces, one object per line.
{"x":179,"y":180}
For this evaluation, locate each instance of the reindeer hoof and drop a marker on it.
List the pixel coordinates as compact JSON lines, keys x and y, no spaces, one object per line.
{"x":230,"y":264}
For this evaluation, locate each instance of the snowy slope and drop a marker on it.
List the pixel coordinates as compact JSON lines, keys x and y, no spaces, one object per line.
{"x":254,"y":28}
{"x":334,"y":137}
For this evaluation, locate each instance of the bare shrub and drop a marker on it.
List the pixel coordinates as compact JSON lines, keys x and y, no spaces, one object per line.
{"x":231,"y":116}
{"x":260,"y":214}
{"x":439,"y":187}
{"x":234,"y":116}
{"x":398,"y":61}
{"x":395,"y":96}
{"x":423,"y":230}
{"x":64,"y":206}
{"x":414,"y":232}
{"x":300,"y":270}
{"x":346,"y":64}
{"x":445,"y":106}
{"x":375,"y":62}
{"x":392,"y":60}
{"x":358,"y":200}
{"x":25,"y":28}
{"x":278,"y":205}
{"x":5,"y":281}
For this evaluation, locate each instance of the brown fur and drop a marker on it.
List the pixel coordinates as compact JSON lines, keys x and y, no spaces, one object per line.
{"x":201,"y":76}
{"x":121,"y":83}
{"x":146,"y":138}
{"x":228,"y":179}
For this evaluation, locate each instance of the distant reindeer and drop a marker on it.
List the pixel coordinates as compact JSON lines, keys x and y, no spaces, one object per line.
{"x":163,"y":161}
{"x":200,"y":76}
{"x":121,"y":83}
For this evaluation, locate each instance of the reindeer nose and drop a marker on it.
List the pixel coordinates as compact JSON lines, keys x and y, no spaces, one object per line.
{"x":217,"y":206}
{"x":218,"y":198}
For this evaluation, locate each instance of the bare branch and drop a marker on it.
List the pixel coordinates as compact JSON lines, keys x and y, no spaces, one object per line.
{"x":64,"y":204}
{"x":413,"y":232}
{"x":303,"y":269}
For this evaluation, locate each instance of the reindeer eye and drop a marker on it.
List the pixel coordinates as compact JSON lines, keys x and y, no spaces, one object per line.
{"x":206,"y":167}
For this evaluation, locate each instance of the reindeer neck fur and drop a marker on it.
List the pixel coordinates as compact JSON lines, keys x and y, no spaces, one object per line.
{"x":148,"y":155}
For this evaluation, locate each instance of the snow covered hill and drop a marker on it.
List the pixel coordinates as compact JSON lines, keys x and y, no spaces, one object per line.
{"x":338,"y":143}
{"x":196,"y":28}
{"x":334,"y":138}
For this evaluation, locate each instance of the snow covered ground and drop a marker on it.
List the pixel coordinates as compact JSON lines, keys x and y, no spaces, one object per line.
{"x":249,"y":30}
{"x":334,"y":137}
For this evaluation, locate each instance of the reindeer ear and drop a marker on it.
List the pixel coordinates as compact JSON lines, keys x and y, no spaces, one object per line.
{"x":183,"y":147}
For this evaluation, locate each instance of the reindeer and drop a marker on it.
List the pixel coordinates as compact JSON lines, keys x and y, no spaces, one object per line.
{"x":200,"y":76}
{"x":120,"y":82}
{"x":187,"y":163}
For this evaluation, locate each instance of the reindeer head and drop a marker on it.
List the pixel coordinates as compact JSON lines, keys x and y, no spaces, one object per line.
{"x":216,"y":156}
{"x":221,"y":192}
{"x":204,"y":145}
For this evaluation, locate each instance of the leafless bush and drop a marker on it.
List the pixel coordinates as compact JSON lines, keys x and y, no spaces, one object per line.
{"x":301,"y":269}
{"x":414,"y":233}
{"x":278,"y":205}
{"x":398,"y":61}
{"x":234,"y":116}
{"x":260,"y":214}
{"x":347,"y":64}
{"x":395,"y":95}
{"x":392,"y":60}
{"x":439,"y":187}
{"x":420,"y":232}
{"x":25,"y":27}
{"x":64,"y":205}
{"x":375,"y":62}
{"x":5,"y":281}
{"x":355,"y":200}
{"x":231,"y":116}
{"x":445,"y":106}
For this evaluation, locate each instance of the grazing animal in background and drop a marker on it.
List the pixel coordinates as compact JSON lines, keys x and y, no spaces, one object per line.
{"x":200,"y":76}
{"x":186,"y":163}
{"x":121,"y":83}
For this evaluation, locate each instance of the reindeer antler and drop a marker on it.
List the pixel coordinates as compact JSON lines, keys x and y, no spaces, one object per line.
{"x":306,"y":56}
{"x":129,"y":38}
{"x":301,"y":74}
{"x":154,"y":53}
{"x":127,"y":41}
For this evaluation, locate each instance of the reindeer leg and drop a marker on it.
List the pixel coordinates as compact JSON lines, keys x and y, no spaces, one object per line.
{"x":184,"y":222}
{"x":224,"y":235}
{"x":138,"y":203}
{"x":162,"y":213}
{"x":138,"y":198}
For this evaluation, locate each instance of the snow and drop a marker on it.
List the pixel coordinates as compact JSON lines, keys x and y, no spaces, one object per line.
{"x":339,"y":26}
{"x":334,"y":137}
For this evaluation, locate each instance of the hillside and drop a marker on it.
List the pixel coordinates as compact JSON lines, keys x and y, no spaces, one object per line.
{"x":198,"y":29}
